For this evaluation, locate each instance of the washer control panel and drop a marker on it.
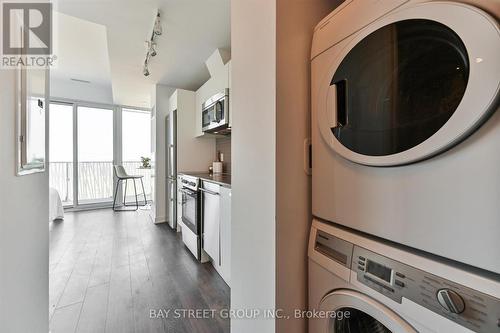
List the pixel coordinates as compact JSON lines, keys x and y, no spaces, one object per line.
{"x":467,"y":307}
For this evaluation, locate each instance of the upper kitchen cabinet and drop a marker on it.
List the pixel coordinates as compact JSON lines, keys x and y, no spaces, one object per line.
{"x":219,"y":67}
{"x":193,"y":154}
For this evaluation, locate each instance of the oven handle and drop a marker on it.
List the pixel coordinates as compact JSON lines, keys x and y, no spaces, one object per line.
{"x":208,"y":191}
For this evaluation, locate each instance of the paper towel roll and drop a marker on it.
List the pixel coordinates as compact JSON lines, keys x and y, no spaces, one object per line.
{"x":217,"y":167}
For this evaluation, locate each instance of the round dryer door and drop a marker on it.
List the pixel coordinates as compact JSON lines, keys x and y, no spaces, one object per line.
{"x":411,"y":85}
{"x":358,"y":313}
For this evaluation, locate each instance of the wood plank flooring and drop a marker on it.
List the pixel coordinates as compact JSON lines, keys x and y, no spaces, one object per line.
{"x":108,"y":270}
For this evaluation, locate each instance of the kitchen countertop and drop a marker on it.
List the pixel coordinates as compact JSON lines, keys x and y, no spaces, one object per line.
{"x":223,"y":179}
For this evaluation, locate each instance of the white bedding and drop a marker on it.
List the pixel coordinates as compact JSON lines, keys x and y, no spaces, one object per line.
{"x":56,"y":211}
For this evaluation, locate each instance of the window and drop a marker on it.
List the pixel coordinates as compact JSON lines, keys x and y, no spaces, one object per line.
{"x":61,"y":151}
{"x":136,"y":144}
{"x":95,"y":155}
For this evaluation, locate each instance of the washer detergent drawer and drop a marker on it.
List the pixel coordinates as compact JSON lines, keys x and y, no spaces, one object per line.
{"x":467,"y":307}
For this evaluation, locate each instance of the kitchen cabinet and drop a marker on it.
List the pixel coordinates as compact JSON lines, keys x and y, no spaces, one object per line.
{"x":211,"y":221}
{"x":217,"y":227}
{"x":193,"y":154}
{"x":225,"y":234}
{"x":219,"y":80}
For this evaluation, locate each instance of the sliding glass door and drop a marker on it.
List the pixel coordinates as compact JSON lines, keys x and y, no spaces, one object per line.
{"x":86,"y":140}
{"x":81,"y":152}
{"x":61,"y":151}
{"x":95,"y":155}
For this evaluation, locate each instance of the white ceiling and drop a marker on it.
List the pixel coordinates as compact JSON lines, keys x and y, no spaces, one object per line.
{"x":82,"y":52}
{"x":192,"y":30}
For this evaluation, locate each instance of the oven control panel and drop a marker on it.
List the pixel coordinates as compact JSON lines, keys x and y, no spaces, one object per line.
{"x":467,"y":307}
{"x":190,"y":182}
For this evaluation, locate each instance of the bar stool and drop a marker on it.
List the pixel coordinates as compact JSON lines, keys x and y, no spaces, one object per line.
{"x":122,"y":175}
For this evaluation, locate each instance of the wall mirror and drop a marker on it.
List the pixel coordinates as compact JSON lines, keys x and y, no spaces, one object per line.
{"x":31,"y":120}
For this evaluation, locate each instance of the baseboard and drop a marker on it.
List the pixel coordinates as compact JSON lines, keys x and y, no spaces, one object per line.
{"x":160,"y":219}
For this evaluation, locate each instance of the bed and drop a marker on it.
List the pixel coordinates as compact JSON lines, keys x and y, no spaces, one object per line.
{"x":56,"y":211}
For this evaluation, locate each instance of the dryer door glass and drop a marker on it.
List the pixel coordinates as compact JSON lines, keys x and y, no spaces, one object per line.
{"x":357,"y":322}
{"x":399,"y":86}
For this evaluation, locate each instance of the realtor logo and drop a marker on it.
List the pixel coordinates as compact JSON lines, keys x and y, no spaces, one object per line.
{"x":27,"y":34}
{"x":27,"y":28}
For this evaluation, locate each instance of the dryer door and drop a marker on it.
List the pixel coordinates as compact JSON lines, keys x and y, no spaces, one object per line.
{"x":352,"y":312}
{"x":411,"y":85}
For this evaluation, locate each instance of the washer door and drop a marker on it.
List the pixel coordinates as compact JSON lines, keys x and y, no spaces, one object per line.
{"x":411,"y":85}
{"x":358,"y":313}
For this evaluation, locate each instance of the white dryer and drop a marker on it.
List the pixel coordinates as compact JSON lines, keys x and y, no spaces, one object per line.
{"x":405,"y":128}
{"x":363,"y":285}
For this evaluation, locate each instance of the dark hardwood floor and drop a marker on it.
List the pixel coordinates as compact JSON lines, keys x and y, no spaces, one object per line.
{"x":109,"y":270}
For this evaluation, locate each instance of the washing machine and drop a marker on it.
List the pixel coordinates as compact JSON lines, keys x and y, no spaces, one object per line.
{"x":359,"y":284}
{"x":405,"y":124}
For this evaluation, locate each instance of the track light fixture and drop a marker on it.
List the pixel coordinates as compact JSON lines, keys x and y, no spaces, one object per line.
{"x":151,"y":46}
{"x":158,"y":30}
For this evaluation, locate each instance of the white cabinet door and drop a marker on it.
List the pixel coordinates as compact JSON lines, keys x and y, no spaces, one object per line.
{"x":225,"y":234}
{"x":211,"y":221}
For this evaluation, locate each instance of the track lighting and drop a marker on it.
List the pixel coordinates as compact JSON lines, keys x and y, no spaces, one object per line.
{"x":151,"y":46}
{"x":157,"y":30}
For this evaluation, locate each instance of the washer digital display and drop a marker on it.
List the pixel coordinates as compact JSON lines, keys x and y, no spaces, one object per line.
{"x":378,"y":270}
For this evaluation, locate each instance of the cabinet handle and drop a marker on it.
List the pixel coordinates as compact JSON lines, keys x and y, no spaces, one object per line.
{"x":208,"y":191}
{"x":220,"y":256}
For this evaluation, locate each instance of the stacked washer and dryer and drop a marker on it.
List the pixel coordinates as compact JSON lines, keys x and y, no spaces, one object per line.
{"x":406,"y":167}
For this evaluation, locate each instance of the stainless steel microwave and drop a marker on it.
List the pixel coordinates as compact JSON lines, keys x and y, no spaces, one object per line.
{"x":215,"y":114}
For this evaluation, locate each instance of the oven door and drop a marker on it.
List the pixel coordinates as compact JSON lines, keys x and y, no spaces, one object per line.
{"x":190,"y":211}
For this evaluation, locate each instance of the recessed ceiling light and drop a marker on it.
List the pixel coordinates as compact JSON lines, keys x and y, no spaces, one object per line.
{"x":79,"y":80}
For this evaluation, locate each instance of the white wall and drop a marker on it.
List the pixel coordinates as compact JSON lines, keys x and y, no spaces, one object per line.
{"x":253,"y":80}
{"x":24,"y":233}
{"x":295,"y":22}
{"x":87,"y":92}
{"x":161,"y":95}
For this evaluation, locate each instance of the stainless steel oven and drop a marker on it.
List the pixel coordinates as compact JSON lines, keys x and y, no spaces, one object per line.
{"x":190,"y":204}
{"x":191,"y":216}
{"x":215,"y":113}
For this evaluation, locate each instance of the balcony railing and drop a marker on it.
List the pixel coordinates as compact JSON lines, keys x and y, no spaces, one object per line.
{"x":95,"y":180}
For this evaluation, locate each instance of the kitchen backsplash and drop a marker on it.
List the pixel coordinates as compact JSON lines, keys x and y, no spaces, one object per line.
{"x":224,"y":146}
